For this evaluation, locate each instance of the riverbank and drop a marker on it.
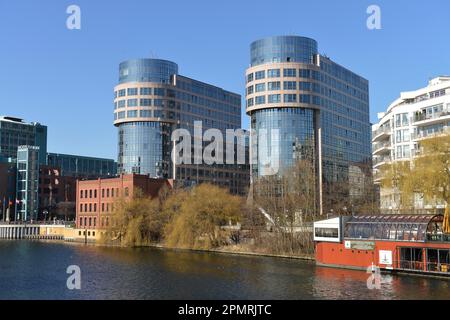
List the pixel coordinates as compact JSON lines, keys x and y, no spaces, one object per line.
{"x":239,"y":250}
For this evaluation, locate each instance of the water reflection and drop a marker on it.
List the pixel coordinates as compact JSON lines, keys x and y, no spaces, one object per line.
{"x":36,"y":270}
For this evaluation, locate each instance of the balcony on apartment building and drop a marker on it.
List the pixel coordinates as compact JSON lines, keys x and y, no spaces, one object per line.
{"x":381,"y":133}
{"x":381,"y":148}
{"x":380,"y":160}
{"x":431,"y":116}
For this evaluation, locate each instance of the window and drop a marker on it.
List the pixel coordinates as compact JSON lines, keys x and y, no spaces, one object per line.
{"x":81,"y":194}
{"x":290,"y":98}
{"x":121,"y":104}
{"x":146,"y":113}
{"x":81,"y":207}
{"x":305,"y":86}
{"x":159,"y":92}
{"x":250,"y":102}
{"x":90,"y":194}
{"x":95,"y":207}
{"x":132,"y":102}
{"x":260,"y":100}
{"x":289,"y":72}
{"x":272,"y":86}
{"x":404,"y":119}
{"x":107,"y":193}
{"x":273,"y":73}
{"x":112,"y":192}
{"x":146,"y":91}
{"x":132,"y":91}
{"x":274,"y":98}
{"x":157,"y":102}
{"x":290,"y":85}
{"x":326,"y":232}
{"x":305,"y":73}
{"x":260,"y":87}
{"x":103,"y":193}
{"x":122,"y":93}
{"x":260,"y":75}
{"x":145,"y":102}
{"x":305,"y":98}
{"x":249,"y":90}
{"x":250,"y":77}
{"x":132,"y":114}
{"x":90,"y":207}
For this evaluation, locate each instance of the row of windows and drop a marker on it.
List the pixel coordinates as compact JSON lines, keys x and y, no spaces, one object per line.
{"x":287,"y":72}
{"x":92,"y":207}
{"x":92,"y":193}
{"x":92,"y":222}
{"x":142,"y":92}
{"x":275,"y":98}
{"x":287,"y":85}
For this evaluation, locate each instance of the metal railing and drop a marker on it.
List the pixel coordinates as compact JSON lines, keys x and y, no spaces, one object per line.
{"x":419,"y":266}
{"x":381,"y":130}
{"x":423,"y":116}
{"x":378,"y":160}
{"x":380,"y":145}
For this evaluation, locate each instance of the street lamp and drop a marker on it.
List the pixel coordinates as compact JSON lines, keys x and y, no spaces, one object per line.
{"x":45,"y":212}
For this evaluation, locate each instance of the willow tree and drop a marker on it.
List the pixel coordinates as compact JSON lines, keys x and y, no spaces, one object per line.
{"x":398,"y":181}
{"x":431,"y":170}
{"x":137,"y":221}
{"x":428,"y":175}
{"x":196,"y":216}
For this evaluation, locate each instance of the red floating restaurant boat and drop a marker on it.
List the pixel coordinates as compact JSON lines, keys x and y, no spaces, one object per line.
{"x":395,"y":242}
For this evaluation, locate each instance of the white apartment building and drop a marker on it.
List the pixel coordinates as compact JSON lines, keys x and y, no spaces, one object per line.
{"x":415,"y":115}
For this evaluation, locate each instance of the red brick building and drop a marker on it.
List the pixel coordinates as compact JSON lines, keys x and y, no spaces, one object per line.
{"x":95,"y":198}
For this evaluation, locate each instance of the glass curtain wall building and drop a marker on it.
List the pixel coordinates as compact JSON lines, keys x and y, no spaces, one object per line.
{"x":81,"y":166}
{"x":150,"y":101}
{"x":305,"y":106}
{"x":27,"y":183}
{"x":14,"y":132}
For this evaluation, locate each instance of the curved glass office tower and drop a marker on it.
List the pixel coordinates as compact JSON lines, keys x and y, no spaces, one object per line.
{"x":144,"y":116}
{"x":150,"y":101}
{"x":304,"y":106}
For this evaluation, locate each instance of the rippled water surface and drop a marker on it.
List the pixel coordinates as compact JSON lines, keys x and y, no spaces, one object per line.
{"x":37,"y":270}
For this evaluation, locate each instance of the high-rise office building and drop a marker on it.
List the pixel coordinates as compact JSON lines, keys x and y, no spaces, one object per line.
{"x":303,"y":105}
{"x":14,"y":132}
{"x":414,"y":116}
{"x":151,"y":101}
{"x":27,"y":183}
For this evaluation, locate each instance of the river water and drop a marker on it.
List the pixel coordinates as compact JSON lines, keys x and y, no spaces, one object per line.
{"x":37,"y":270}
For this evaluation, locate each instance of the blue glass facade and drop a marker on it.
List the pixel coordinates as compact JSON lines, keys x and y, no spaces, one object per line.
{"x":286,"y":74}
{"x":147,"y":70}
{"x":81,"y":166}
{"x":295,"y":137}
{"x":150,"y":101}
{"x":282,"y":49}
{"x":27,"y":183}
{"x":15,"y":132}
{"x":145,"y":148}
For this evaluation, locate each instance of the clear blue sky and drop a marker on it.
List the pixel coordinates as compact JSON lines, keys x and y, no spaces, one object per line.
{"x":65,"y":78}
